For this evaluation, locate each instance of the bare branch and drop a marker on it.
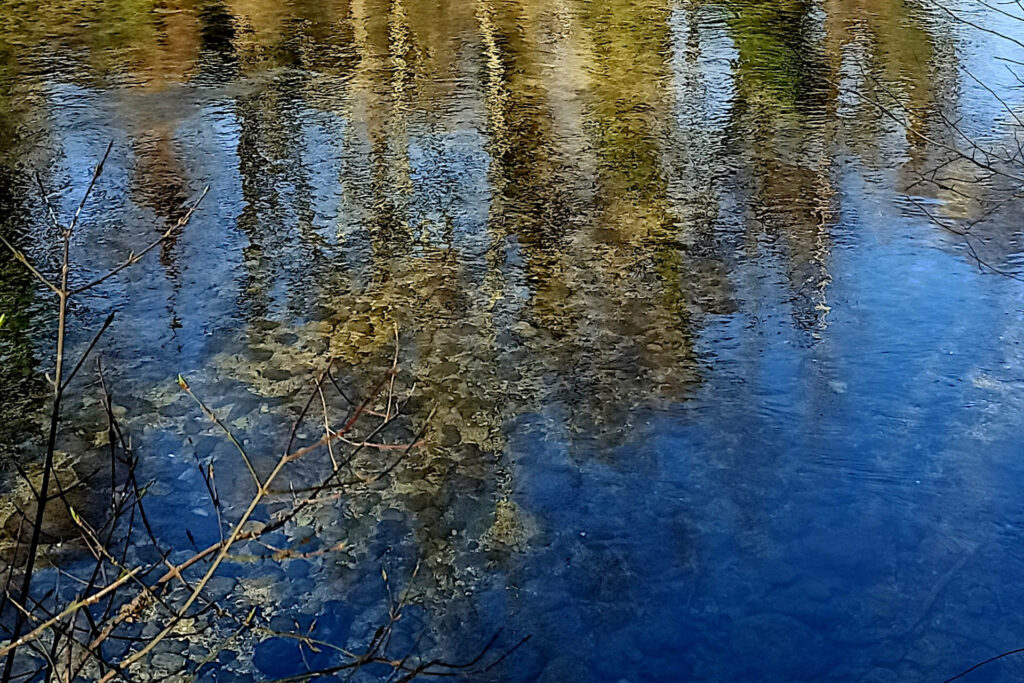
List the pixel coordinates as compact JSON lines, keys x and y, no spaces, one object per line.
{"x":135,"y":257}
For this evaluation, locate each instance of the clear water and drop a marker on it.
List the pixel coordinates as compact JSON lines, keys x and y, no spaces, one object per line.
{"x":715,"y":400}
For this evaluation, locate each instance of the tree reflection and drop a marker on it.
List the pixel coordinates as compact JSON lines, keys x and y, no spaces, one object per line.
{"x":550,"y":201}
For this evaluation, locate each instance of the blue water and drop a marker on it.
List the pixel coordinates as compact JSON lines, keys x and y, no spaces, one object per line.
{"x":845,"y":508}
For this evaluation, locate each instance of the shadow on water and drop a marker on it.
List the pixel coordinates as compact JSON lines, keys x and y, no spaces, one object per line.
{"x":709,"y":399}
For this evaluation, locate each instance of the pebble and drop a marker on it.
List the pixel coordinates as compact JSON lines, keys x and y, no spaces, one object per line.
{"x":168,"y":661}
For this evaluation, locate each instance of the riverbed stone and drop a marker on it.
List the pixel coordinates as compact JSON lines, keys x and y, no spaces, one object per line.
{"x":168,"y":662}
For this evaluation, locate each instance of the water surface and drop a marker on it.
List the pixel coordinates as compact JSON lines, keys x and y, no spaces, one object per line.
{"x":713,"y":399}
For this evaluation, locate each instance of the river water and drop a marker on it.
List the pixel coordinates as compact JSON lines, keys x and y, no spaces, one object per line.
{"x":709,"y":395}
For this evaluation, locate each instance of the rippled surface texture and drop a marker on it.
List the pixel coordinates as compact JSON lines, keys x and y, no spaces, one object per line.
{"x":716,"y":395}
